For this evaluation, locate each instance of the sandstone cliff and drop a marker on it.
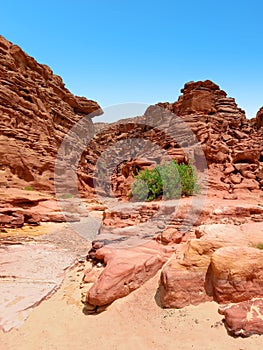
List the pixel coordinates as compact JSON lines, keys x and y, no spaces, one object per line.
{"x":36,"y":112}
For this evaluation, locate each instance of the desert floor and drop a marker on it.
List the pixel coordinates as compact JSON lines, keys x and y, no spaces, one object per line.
{"x":134,"y":322}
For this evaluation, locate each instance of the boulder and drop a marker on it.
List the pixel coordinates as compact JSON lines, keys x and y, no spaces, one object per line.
{"x":126,"y":269}
{"x":237,"y":279}
{"x":245,"y":318}
{"x":181,"y":285}
{"x":249,"y":156}
{"x":190,"y":279}
{"x":171,"y":235}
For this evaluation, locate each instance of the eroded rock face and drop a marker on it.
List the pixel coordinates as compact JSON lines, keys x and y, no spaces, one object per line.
{"x":36,"y":112}
{"x":19,"y":207}
{"x":198,"y":97}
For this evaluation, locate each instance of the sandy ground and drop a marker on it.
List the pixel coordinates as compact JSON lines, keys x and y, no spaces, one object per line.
{"x":134,"y":322}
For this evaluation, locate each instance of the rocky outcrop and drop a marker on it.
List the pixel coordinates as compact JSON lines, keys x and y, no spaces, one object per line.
{"x":19,"y":207}
{"x":172,"y":214}
{"x":37,"y":111}
{"x":15,"y":217}
{"x":129,"y":228}
{"x":206,"y":98}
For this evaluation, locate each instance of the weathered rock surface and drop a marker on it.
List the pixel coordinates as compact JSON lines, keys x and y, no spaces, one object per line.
{"x":245,"y":318}
{"x":192,"y":280}
{"x":172,"y":214}
{"x":19,"y":207}
{"x":181,"y":285}
{"x":36,"y":112}
{"x":126,"y":269}
{"x":237,"y":274}
{"x":135,"y":240}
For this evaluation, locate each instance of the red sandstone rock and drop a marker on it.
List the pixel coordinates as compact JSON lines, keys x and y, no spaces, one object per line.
{"x":259,"y":118}
{"x":36,"y":112}
{"x":126,"y":270}
{"x":12,"y":219}
{"x":199,"y":97}
{"x":181,"y":286}
{"x":19,"y":207}
{"x":245,"y":318}
{"x":91,"y":275}
{"x":250,"y":184}
{"x":190,"y":280}
{"x":248,"y":156}
{"x":227,"y":139}
{"x":171,"y":235}
{"x":236,"y":274}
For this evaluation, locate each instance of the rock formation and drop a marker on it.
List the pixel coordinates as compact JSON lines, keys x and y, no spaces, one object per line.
{"x":202,"y":266}
{"x":231,"y":143}
{"x":233,"y":150}
{"x":197,"y":277}
{"x":36,"y":113}
{"x":259,"y":118}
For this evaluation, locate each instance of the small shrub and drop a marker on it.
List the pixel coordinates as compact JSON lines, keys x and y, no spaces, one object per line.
{"x":29,"y":188}
{"x":66,"y":196}
{"x":259,"y":246}
{"x":170,"y":180}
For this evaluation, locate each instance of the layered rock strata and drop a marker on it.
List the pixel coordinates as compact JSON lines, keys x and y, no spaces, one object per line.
{"x":37,"y":111}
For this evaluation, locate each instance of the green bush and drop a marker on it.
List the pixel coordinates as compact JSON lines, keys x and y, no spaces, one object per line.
{"x":259,"y":246}
{"x":169,"y":180}
{"x":29,"y":188}
{"x":66,"y":196}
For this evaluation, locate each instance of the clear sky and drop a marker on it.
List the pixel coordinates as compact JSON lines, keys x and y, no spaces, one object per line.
{"x":119,"y":51}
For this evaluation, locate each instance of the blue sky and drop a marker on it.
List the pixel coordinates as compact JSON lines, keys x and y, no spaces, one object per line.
{"x":143,"y":51}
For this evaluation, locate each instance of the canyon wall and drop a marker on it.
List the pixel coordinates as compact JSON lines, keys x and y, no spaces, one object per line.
{"x":36,"y":110}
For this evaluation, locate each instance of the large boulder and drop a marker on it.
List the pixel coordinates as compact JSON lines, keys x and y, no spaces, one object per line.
{"x":237,"y":274}
{"x":190,"y":280}
{"x":181,"y":285}
{"x":127,"y":268}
